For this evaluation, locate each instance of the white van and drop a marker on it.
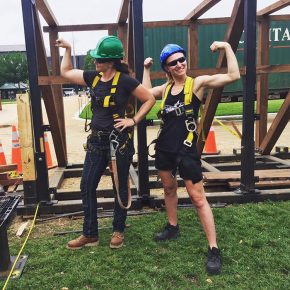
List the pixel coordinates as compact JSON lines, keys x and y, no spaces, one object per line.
{"x":68,"y":92}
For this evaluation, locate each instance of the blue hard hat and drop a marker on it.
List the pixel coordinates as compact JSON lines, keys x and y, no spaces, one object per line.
{"x":168,"y":50}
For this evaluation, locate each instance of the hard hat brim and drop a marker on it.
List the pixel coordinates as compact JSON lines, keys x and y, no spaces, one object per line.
{"x":94,"y":54}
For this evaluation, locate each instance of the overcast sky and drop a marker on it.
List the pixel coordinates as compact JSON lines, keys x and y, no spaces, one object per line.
{"x":103,"y":11}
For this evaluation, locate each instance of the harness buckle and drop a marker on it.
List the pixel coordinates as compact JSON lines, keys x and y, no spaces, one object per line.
{"x":187,"y":143}
{"x":114,"y":143}
{"x":178,"y":111}
{"x":190,"y":125}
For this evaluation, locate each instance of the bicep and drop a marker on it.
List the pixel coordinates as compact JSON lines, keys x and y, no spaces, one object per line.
{"x":142,"y":94}
{"x":157,"y":91}
{"x":75,"y":76}
{"x":215,"y":81}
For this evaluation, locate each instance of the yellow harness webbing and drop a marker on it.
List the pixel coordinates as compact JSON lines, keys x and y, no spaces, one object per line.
{"x":188,"y":87}
{"x":107,"y":102}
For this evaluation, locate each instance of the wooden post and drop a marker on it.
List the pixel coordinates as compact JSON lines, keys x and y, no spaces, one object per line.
{"x":262,"y":81}
{"x":192,"y":49}
{"x":26,"y":137}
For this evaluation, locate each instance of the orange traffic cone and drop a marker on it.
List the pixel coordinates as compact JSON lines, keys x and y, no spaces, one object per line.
{"x":47,"y":152}
{"x":210,"y":144}
{"x":16,"y":152}
{"x":2,"y":155}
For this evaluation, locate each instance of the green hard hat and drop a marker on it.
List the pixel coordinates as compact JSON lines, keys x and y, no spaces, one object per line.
{"x":108,"y":47}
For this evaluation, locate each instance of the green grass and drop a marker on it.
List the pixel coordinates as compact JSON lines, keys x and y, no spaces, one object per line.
{"x":8,"y":101}
{"x":223,"y":109}
{"x":254,"y":238}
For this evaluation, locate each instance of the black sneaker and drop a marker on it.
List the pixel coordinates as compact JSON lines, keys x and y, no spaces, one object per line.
{"x":169,"y":232}
{"x":214,"y":261}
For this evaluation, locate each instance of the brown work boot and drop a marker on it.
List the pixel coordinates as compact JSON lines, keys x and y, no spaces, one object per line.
{"x":117,"y":240}
{"x":82,"y":241}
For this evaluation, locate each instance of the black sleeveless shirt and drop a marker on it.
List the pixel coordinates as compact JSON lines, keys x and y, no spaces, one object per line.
{"x":102,"y":117}
{"x":174,"y":130}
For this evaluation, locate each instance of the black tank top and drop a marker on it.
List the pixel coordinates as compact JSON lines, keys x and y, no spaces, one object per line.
{"x":174,"y":130}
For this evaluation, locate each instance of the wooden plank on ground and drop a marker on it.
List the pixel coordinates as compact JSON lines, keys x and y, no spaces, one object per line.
{"x":11,"y":181}
{"x":57,"y":178}
{"x":4,"y":176}
{"x":12,"y":188}
{"x":264,"y":184}
{"x":234,"y":175}
{"x":209,"y":167}
{"x":276,"y":159}
{"x":10,"y":167}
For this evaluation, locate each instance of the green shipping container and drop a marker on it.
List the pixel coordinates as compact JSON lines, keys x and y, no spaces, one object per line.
{"x":156,"y":38}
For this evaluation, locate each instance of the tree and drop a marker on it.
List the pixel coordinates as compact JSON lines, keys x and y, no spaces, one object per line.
{"x":13,"y":68}
{"x":89,"y":62}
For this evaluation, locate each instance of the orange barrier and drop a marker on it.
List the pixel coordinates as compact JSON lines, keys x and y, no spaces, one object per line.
{"x":47,"y":152}
{"x":210,"y":144}
{"x":16,"y":151}
{"x":2,"y":155}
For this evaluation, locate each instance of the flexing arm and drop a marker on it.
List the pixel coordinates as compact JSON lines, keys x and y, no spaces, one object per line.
{"x":66,"y":67}
{"x":156,"y":91}
{"x":219,"y":80}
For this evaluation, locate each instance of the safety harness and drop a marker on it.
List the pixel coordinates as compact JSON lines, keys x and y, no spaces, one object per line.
{"x":184,"y":109}
{"x":116,"y":142}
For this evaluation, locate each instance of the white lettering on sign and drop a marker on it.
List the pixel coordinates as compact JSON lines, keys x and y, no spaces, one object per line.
{"x":277,"y":34}
{"x":286,"y":35}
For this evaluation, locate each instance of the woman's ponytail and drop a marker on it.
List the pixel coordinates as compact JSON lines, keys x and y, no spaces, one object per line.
{"x":121,"y":66}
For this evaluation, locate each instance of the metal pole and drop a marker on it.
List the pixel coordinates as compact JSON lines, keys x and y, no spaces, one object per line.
{"x":248,"y":144}
{"x":138,"y":66}
{"x":35,"y":189}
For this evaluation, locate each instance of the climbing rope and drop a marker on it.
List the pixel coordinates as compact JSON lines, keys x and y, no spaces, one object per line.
{"x":16,"y":260}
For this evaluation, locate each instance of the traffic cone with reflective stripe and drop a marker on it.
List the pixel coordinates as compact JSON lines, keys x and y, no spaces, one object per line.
{"x":16,"y":151}
{"x":210,"y":144}
{"x":47,"y":152}
{"x":2,"y":155}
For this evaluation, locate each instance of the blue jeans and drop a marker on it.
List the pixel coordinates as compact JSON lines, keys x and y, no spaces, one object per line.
{"x":95,"y":164}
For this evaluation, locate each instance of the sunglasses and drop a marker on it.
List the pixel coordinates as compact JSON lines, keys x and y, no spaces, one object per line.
{"x":101,"y":60}
{"x":174,"y":62}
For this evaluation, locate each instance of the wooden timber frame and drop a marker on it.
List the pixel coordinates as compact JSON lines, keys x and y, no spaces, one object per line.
{"x":47,"y":84}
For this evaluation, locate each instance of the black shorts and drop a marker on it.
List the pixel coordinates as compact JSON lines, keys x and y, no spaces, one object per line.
{"x":188,"y":165}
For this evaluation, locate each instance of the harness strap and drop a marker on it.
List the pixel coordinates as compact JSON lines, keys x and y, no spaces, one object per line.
{"x":107,"y":101}
{"x":188,"y":87}
{"x":114,"y":147}
{"x":96,"y":79}
{"x":168,"y":87}
{"x":188,"y":109}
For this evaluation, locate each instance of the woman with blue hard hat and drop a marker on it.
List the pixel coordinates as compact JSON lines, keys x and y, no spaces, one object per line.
{"x":176,"y":143}
{"x":111,"y":133}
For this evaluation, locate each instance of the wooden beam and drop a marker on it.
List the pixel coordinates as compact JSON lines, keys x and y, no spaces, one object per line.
{"x":273,"y":7}
{"x":130,"y":42}
{"x":232,"y":36}
{"x":261,"y":70}
{"x":203,"y":7}
{"x":192,"y":46}
{"x":262,"y":81}
{"x":46,"y":12}
{"x":25,"y":128}
{"x":51,"y":101}
{"x":107,"y":26}
{"x":122,"y":34}
{"x":123,"y":13}
{"x":58,"y":93}
{"x":277,"y":127}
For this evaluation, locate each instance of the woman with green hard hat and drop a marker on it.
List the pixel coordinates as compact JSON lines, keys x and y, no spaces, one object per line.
{"x":111,"y":132}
